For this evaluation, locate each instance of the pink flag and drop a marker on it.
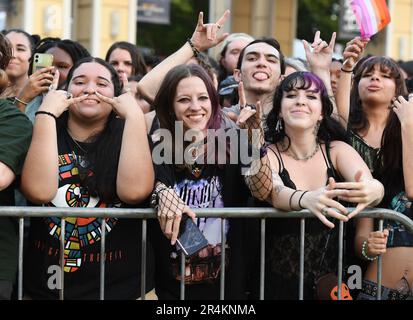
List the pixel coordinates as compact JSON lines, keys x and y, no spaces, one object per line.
{"x":371,"y":15}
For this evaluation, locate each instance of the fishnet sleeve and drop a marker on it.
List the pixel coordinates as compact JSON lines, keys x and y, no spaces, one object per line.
{"x":169,"y":203}
{"x":258,"y":177}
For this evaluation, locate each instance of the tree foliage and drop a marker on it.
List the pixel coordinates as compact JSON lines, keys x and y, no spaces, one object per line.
{"x":317,"y":15}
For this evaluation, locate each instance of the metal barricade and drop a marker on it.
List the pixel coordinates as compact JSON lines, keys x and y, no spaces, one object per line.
{"x":144,"y":214}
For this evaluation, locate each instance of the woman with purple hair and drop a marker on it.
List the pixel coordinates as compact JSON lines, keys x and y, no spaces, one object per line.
{"x":315,"y":166}
{"x":188,"y":102}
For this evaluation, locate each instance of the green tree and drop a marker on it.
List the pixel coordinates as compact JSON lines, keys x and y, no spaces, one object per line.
{"x":165,"y":39}
{"x":320,"y":15}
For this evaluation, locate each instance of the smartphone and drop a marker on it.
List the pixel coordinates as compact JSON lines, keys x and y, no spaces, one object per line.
{"x":42,"y":60}
{"x":191,"y":239}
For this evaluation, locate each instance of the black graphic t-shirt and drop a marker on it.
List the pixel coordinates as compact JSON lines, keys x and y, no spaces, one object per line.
{"x":216,"y":187}
{"x":82,"y":241}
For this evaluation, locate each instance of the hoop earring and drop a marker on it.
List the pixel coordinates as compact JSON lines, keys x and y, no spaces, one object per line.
{"x":279,"y":125}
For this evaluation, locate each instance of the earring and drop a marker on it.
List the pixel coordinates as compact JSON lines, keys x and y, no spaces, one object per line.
{"x":279,"y":125}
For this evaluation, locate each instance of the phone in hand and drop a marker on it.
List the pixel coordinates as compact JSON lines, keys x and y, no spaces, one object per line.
{"x":191,"y":239}
{"x":42,"y":60}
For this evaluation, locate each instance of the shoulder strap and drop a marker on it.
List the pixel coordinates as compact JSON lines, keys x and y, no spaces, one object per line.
{"x":279,"y":158}
{"x":331,"y":172}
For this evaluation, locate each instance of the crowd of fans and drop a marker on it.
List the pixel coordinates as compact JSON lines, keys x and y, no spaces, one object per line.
{"x":330,"y":134}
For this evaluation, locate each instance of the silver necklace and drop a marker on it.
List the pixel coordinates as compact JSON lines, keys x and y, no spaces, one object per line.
{"x":306,"y":158}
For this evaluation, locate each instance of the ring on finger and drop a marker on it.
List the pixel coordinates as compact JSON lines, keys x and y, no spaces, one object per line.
{"x":250,"y":107}
{"x":51,"y":87}
{"x":69,"y":95}
{"x":324,"y":210}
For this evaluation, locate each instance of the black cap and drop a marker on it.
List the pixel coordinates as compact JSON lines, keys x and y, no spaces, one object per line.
{"x":227,"y":86}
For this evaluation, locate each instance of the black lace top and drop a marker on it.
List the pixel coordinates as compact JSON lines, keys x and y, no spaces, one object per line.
{"x":283,"y":247}
{"x":368,"y":153}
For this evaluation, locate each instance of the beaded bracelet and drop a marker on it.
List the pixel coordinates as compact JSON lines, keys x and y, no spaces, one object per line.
{"x":364,"y":252}
{"x":47,"y":113}
{"x":21,"y":101}
{"x":194,"y":50}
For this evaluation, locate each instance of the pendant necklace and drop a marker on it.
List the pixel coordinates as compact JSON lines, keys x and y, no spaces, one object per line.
{"x":83,"y":162}
{"x":194,"y":168}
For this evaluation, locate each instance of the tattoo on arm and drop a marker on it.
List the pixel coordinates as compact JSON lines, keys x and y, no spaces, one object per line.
{"x":277,"y":183}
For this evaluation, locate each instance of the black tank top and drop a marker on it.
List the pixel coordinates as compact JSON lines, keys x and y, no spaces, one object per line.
{"x":283,"y":245}
{"x":285,"y":176}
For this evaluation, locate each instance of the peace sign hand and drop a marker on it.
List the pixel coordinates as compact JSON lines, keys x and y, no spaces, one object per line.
{"x":124,"y":105}
{"x":206,"y":36}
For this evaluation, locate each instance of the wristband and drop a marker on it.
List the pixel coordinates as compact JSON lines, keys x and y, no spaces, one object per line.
{"x":347,"y":71}
{"x":194,"y":50}
{"x":291,"y":198}
{"x":47,"y":113}
{"x":299,"y":201}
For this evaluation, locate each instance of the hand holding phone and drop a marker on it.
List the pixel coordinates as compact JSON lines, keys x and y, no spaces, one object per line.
{"x":42,"y":60}
{"x":191,"y":239}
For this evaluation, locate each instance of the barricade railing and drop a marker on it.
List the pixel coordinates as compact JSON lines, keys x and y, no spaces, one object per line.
{"x":144,"y":214}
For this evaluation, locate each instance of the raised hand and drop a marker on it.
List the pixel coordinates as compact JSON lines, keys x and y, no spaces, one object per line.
{"x":206,"y":36}
{"x":322,"y":53}
{"x":353,"y":52}
{"x":363,"y":192}
{"x":250,"y":115}
{"x":404,"y":109}
{"x":37,"y":83}
{"x":58,"y":101}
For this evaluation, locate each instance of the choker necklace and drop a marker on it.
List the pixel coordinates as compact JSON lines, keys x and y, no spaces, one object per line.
{"x":317,"y":147}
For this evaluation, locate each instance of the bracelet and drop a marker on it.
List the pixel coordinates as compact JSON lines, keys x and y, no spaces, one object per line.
{"x":291,"y":198}
{"x":155,"y":197}
{"x":47,"y":113}
{"x":194,"y":50}
{"x":364,"y":252}
{"x":347,"y":71}
{"x":21,"y":101}
{"x":299,"y":201}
